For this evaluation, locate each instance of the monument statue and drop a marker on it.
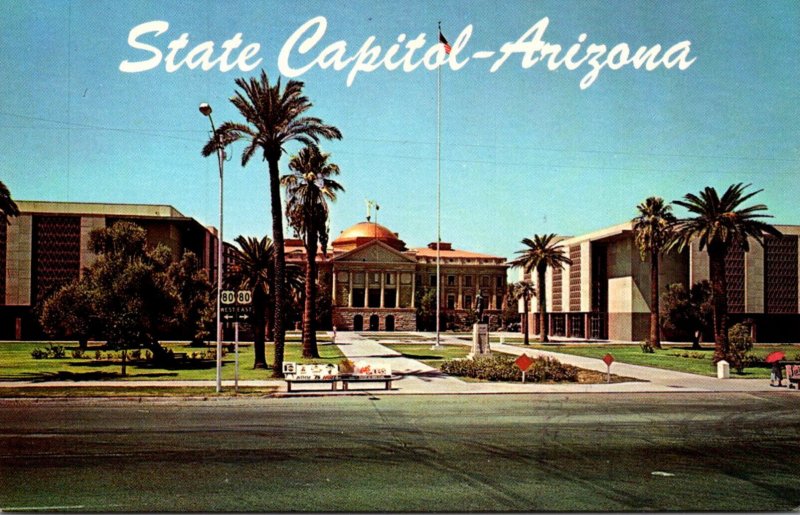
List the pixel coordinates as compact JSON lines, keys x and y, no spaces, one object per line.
{"x":479,"y":308}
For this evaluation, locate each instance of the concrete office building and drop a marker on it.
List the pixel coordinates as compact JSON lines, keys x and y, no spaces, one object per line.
{"x":605,"y":293}
{"x":46,"y":246}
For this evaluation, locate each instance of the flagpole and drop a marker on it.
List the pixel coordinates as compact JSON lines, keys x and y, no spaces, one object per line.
{"x":438,"y":194}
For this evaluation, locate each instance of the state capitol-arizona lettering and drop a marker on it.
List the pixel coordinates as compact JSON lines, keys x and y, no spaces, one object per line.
{"x":303,"y":51}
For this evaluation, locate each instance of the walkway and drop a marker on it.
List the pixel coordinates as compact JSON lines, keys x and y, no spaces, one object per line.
{"x":421,"y":378}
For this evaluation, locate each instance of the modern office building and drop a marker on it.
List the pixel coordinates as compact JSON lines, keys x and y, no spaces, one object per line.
{"x":605,"y":293}
{"x":46,"y":246}
{"x":376,"y":279}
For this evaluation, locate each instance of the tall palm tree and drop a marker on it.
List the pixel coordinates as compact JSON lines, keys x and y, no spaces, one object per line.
{"x":718,"y":224}
{"x":541,"y":252}
{"x":252,"y":269}
{"x":8,"y":207}
{"x":523,"y":290}
{"x":308,"y":189}
{"x":273,"y":119}
{"x":652,"y":231}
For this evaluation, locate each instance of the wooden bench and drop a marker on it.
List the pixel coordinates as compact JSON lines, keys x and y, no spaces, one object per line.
{"x":290,"y":381}
{"x":354,"y":378}
{"x":792,"y":373}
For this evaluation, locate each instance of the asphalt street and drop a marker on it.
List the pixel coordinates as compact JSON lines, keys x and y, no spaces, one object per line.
{"x":374,"y":452}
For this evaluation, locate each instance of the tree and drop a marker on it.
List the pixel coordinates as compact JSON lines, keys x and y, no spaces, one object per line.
{"x":308,"y":189}
{"x":196,"y":310}
{"x":523,"y":290}
{"x":719,"y":224}
{"x":70,"y":312}
{"x":541,"y":252}
{"x":8,"y":207}
{"x":273,"y":119}
{"x":252,"y":268}
{"x":652,"y":231}
{"x":687,"y":313}
{"x":125,"y":297}
{"x":426,"y":308}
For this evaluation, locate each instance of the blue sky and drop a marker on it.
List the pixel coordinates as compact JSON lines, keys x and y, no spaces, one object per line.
{"x":523,"y":151}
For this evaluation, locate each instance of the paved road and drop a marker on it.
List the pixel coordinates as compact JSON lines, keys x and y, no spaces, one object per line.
{"x":375,"y":452}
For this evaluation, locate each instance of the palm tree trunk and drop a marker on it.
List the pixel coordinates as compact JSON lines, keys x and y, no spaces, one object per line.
{"x":719,"y":292}
{"x":526,"y":308}
{"x":280,"y":263}
{"x":655,"y":330}
{"x":542,"y":295}
{"x":309,"y":308}
{"x":259,"y":315}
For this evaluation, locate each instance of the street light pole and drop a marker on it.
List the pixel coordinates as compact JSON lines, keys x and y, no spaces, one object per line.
{"x":205,"y":109}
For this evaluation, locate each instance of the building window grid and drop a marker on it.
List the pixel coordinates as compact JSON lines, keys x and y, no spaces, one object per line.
{"x":3,"y":237}
{"x":734,"y":274}
{"x":557,"y":273}
{"x":575,"y":278}
{"x":56,"y":253}
{"x":780,"y":274}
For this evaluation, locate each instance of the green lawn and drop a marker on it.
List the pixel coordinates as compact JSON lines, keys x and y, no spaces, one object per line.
{"x":672,"y":357}
{"x":431,"y":357}
{"x":17,"y":364}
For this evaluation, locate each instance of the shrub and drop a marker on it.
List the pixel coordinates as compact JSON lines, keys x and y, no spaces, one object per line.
{"x":136,"y":354}
{"x":78,"y":354}
{"x":56,"y":351}
{"x":740,"y":343}
{"x":51,"y":352}
{"x":501,"y":367}
{"x":98,"y":355}
{"x":646,"y":347}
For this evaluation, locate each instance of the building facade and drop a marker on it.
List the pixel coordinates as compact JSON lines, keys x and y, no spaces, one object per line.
{"x":46,"y":246}
{"x":605,"y":293}
{"x":376,"y":281}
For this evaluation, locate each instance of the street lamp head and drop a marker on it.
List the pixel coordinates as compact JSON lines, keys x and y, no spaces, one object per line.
{"x":205,"y":109}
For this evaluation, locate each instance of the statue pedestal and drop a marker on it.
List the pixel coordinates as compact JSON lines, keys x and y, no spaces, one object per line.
{"x":480,"y":341}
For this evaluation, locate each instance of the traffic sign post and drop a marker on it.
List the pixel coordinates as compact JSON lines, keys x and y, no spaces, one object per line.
{"x":608,"y":359}
{"x":524,"y":362}
{"x":236,"y":306}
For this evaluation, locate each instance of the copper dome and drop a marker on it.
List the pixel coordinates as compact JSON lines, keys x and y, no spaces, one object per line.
{"x":364,"y":232}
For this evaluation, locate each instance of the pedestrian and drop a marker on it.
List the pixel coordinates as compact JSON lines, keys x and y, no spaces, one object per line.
{"x":334,"y":335}
{"x":776,"y":376}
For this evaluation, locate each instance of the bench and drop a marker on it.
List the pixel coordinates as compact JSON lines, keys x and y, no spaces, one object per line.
{"x":290,"y":381}
{"x":354,"y":378}
{"x":792,"y":374}
{"x":309,"y":374}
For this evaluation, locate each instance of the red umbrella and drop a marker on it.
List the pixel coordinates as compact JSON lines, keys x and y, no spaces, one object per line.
{"x":772,"y":357}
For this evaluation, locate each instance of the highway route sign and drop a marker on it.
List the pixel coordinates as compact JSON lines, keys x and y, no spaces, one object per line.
{"x":236,"y":305}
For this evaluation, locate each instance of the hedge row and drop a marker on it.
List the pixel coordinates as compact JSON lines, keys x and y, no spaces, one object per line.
{"x":501,"y":367}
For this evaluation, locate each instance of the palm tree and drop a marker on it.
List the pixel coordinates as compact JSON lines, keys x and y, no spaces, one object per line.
{"x":273,"y":119}
{"x":251,"y":269}
{"x":8,"y":207}
{"x":541,"y":252}
{"x":523,"y":290}
{"x":307,"y":190}
{"x":652,"y":231}
{"x":719,"y":224}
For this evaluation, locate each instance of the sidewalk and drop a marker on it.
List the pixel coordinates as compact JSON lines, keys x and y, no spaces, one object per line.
{"x":420,"y":378}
